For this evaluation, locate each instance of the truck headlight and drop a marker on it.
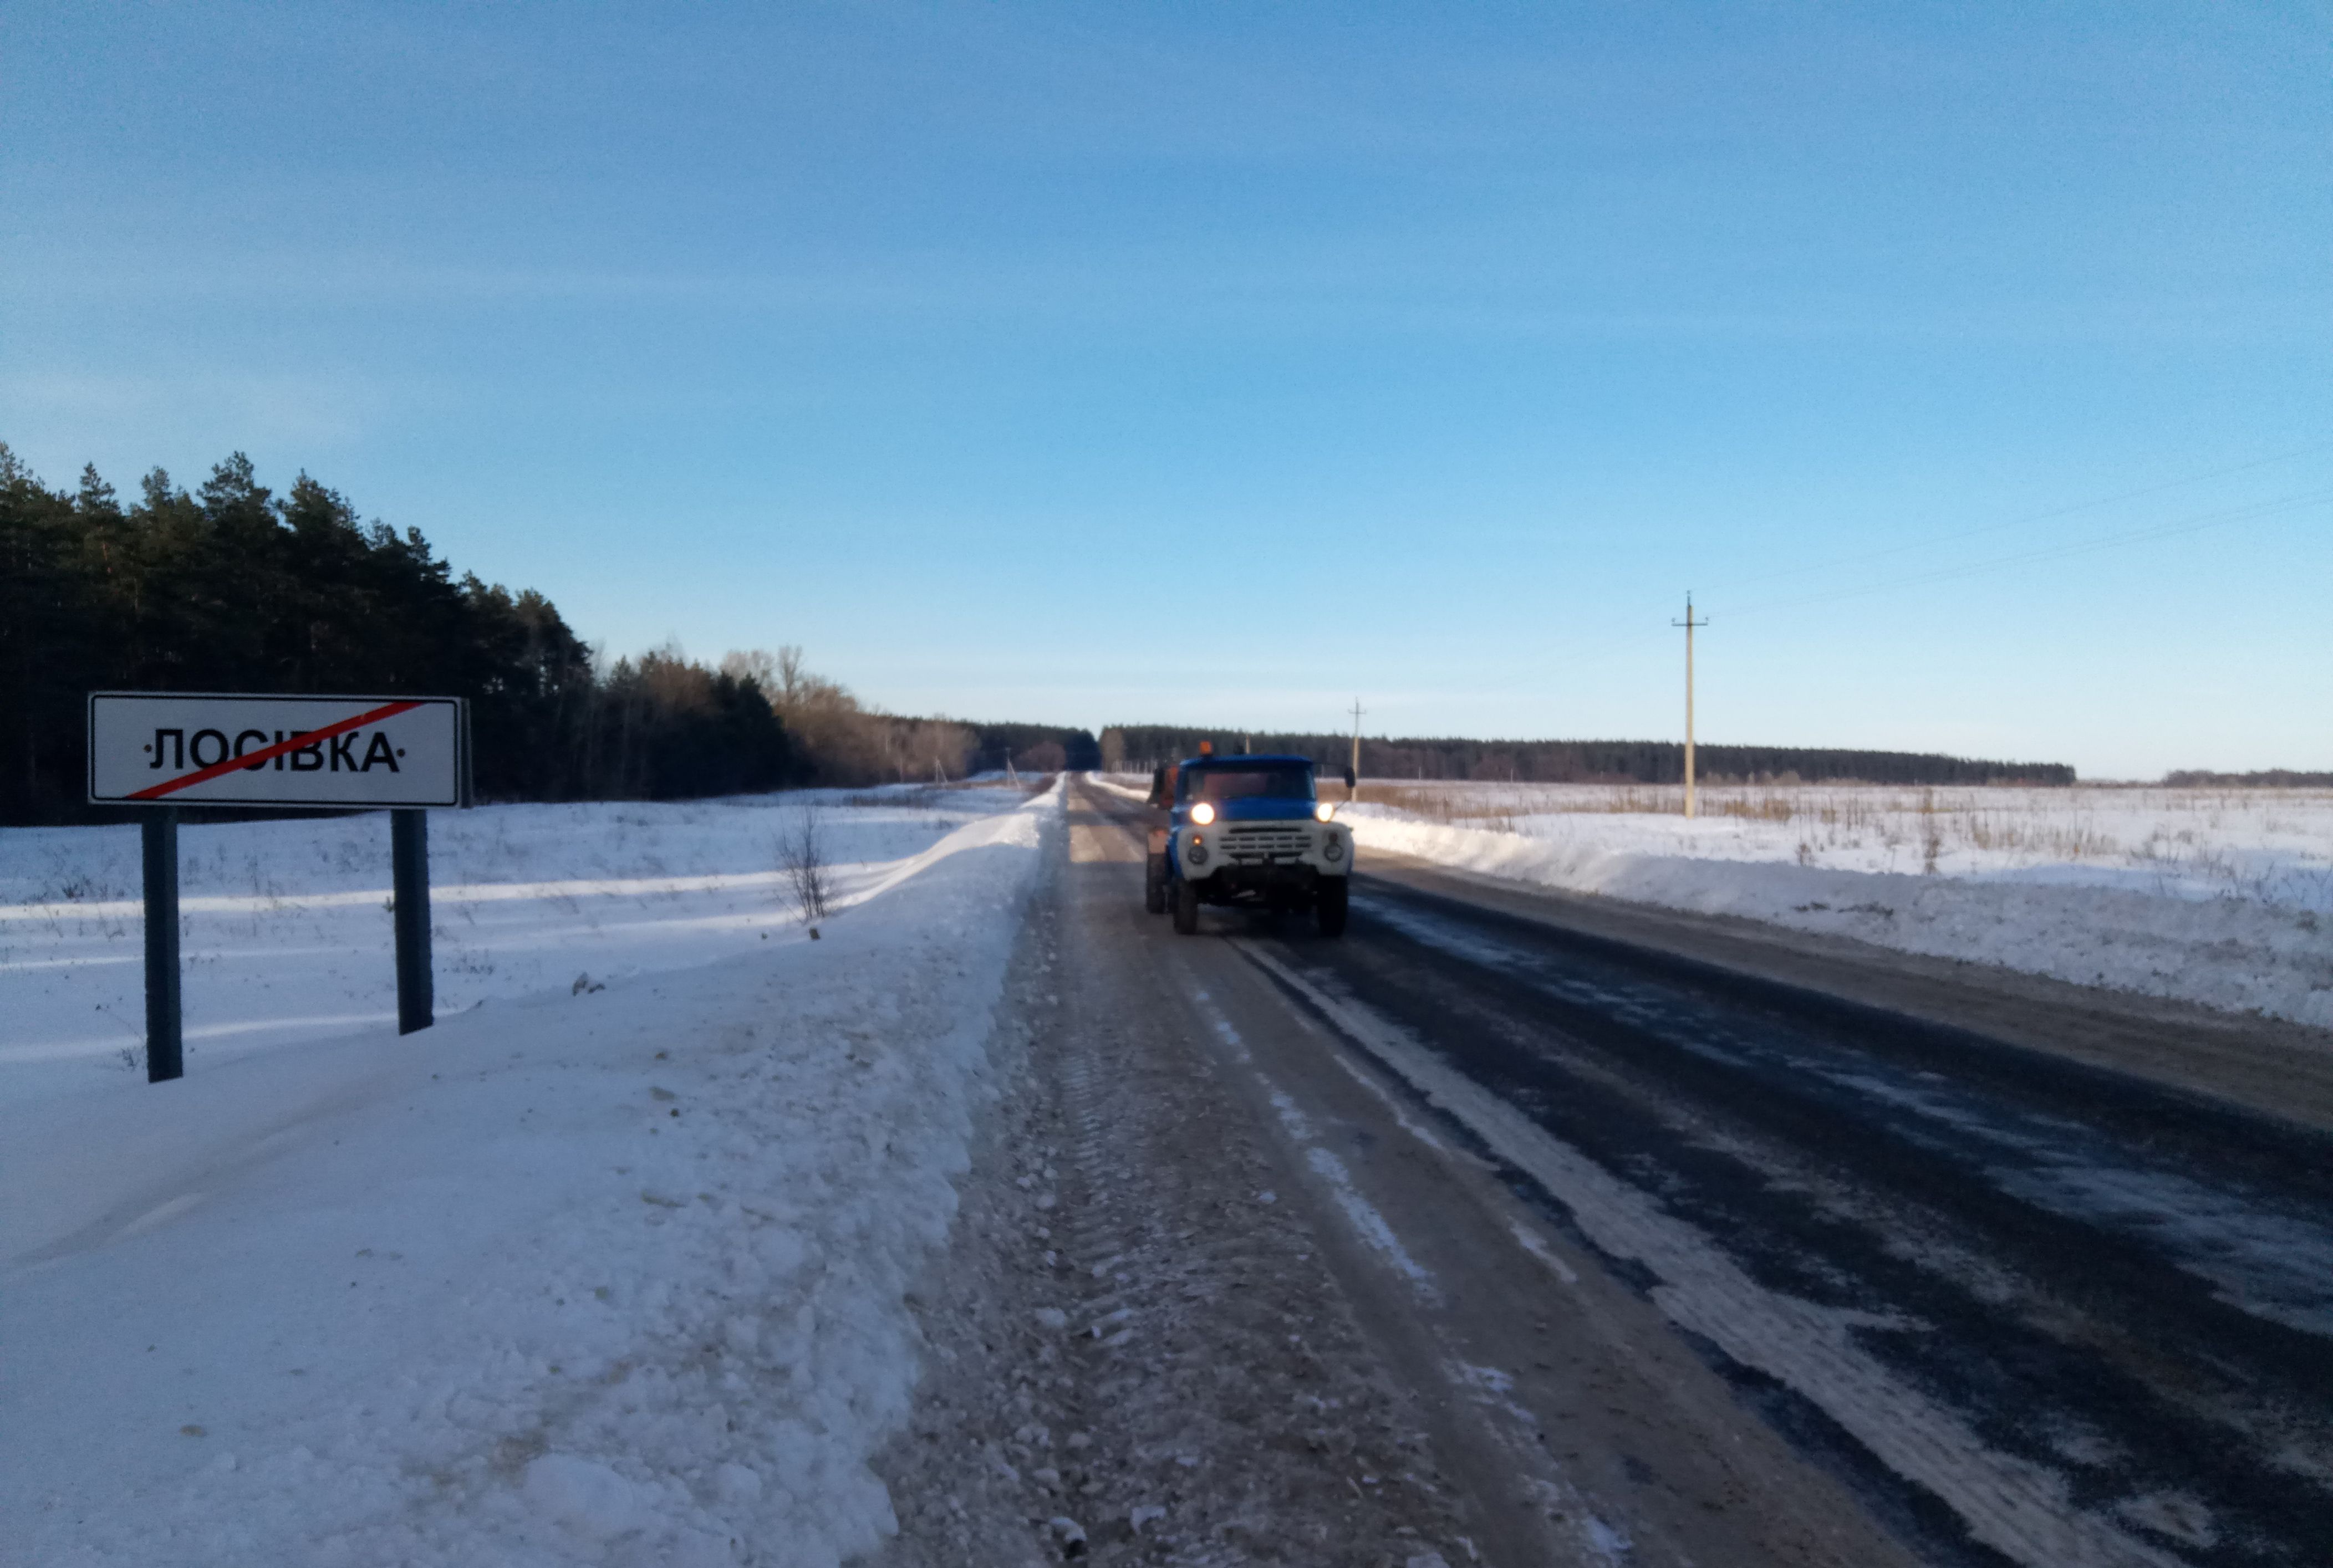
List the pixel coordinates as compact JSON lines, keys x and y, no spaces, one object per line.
{"x":1325,"y":810}
{"x":1197,"y":853}
{"x":1203,"y":814}
{"x":1334,"y":849}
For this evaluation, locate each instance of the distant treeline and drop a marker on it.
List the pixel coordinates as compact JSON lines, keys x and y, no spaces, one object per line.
{"x":233,"y":589}
{"x":1034,"y":749}
{"x":2272,"y":778}
{"x":1138,"y":747}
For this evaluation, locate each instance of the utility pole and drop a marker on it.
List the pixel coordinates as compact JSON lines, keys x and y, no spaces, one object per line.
{"x":1355,"y":792}
{"x":1688,"y":623}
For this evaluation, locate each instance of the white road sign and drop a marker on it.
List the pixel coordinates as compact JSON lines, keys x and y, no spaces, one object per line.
{"x":186,"y":748}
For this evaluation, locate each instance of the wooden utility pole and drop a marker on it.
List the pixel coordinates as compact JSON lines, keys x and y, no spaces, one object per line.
{"x":1355,"y":792}
{"x":1688,"y":623}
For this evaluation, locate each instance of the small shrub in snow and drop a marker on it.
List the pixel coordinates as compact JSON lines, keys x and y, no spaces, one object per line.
{"x":802,"y":851}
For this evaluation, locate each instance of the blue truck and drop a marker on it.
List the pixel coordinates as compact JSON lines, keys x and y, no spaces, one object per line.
{"x":1246,"y":830}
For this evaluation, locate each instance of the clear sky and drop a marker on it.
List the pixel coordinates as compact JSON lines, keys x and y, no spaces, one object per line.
{"x":1088,"y":363}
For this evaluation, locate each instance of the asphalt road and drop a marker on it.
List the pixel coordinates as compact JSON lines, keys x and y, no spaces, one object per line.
{"x":1687,"y":1265}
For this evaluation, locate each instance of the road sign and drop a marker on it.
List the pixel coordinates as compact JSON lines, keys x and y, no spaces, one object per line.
{"x":166,"y":750}
{"x":209,"y":749}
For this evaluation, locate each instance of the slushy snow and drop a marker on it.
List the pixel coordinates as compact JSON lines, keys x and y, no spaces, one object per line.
{"x":577,"y":1276}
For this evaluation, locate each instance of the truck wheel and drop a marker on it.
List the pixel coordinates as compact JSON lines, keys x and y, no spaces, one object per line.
{"x":1187,"y":908}
{"x":1153,"y":886}
{"x":1329,"y":907}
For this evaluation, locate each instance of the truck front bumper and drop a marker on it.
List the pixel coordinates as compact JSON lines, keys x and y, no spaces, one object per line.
{"x":1270,"y":861}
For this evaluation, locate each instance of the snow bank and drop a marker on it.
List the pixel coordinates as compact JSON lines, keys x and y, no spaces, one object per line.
{"x":286,"y":926}
{"x":2216,"y":896}
{"x":576,"y":1276}
{"x":2269,"y":846}
{"x":2234,"y":953}
{"x":1121,"y":785}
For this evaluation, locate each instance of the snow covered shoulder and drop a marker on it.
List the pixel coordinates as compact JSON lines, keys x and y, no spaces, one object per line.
{"x":2214,"y":896}
{"x":596,"y":1274}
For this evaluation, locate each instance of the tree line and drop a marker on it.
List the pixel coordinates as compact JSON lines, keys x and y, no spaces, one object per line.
{"x":1035,"y":749}
{"x":1139,"y":748}
{"x":2268,"y":779}
{"x":235,"y":588}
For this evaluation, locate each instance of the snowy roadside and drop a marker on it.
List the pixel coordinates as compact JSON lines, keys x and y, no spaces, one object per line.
{"x":286,"y":926}
{"x":2233,"y":954}
{"x":576,"y":1276}
{"x":1105,"y":781}
{"x":2161,"y":917}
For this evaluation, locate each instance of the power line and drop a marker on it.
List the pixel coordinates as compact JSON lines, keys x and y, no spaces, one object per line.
{"x":2191,"y":524}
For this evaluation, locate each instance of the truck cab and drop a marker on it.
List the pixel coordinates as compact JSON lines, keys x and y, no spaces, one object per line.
{"x":1247,"y":830}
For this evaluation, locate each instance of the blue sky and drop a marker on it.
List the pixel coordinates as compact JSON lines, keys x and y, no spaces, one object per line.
{"x":1215,"y":363}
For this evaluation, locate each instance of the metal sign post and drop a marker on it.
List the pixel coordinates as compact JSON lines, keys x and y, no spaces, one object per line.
{"x":169,"y":749}
{"x":408,"y":841}
{"x":163,"y":1039}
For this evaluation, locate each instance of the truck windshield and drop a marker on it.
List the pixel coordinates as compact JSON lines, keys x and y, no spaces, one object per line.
{"x":1250,"y":783}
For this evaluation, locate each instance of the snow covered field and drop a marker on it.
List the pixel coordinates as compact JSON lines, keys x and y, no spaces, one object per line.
{"x":2218,"y":896}
{"x":287,"y":924}
{"x":579,"y":1275}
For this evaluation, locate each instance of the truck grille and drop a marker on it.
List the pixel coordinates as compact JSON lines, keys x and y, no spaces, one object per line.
{"x":1263,"y":843}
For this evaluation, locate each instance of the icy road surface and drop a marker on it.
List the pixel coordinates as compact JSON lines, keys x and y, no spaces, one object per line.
{"x":1607,"y":1253}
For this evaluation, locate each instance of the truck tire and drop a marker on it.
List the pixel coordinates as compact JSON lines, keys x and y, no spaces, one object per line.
{"x":1329,"y":906}
{"x":1187,"y":908}
{"x":1153,"y":884}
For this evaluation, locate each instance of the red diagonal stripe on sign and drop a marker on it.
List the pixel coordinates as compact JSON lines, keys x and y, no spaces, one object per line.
{"x":269,"y":753}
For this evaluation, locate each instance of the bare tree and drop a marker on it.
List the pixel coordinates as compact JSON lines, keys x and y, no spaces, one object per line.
{"x":802,"y":851}
{"x":757,"y":666}
{"x":848,"y":741}
{"x":1045,"y":757}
